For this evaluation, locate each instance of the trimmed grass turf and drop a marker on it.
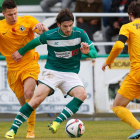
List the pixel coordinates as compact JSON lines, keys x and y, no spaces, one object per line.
{"x":94,"y":130}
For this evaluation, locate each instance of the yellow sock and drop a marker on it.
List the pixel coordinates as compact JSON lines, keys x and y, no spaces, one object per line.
{"x":31,"y":120}
{"x":126,"y":116}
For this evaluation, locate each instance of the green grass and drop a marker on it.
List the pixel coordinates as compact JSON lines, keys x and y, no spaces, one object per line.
{"x":94,"y":130}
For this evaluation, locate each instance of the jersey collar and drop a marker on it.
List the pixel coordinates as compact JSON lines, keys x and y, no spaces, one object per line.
{"x":61,"y":33}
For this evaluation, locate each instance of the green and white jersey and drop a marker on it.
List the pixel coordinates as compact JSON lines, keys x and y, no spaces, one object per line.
{"x":64,"y":51}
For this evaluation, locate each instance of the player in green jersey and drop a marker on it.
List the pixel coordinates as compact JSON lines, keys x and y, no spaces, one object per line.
{"x":65,"y":45}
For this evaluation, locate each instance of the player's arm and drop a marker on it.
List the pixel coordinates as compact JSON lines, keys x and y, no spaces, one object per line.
{"x":92,"y":51}
{"x":17,"y":56}
{"x":29,"y":46}
{"x":87,"y":44}
{"x":117,"y":48}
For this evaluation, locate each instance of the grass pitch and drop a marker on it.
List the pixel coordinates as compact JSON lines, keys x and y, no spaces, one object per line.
{"x":94,"y":130}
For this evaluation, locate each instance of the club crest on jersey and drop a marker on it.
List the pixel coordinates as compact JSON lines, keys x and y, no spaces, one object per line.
{"x":22,"y":28}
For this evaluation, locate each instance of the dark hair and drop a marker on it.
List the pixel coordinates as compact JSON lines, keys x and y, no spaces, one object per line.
{"x":134,"y":9}
{"x":8,"y":4}
{"x":64,"y":15}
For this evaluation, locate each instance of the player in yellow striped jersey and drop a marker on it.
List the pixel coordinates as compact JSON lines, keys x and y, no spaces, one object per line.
{"x":130,"y":87}
{"x":16,"y":32}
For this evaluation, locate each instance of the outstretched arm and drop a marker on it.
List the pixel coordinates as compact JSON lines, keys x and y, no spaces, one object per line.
{"x":17,"y":56}
{"x":117,"y":48}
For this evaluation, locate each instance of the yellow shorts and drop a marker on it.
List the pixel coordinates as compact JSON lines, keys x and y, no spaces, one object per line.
{"x":130,"y":87}
{"x":16,"y":78}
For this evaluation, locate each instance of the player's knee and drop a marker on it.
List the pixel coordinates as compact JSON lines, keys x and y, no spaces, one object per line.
{"x":82,"y":96}
{"x":29,"y":94}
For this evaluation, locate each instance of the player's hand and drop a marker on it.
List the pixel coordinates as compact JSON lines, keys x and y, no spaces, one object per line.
{"x":17,"y":56}
{"x":84,"y":48}
{"x":41,"y":27}
{"x":104,"y":66}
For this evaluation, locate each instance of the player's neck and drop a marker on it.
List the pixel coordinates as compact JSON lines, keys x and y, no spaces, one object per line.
{"x":137,"y":18}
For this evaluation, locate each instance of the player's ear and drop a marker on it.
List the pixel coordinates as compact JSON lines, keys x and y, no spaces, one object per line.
{"x":58,"y":24}
{"x":3,"y":13}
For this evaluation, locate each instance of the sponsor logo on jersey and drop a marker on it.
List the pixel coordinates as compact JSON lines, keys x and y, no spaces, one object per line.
{"x":66,"y":54}
{"x":22,"y":28}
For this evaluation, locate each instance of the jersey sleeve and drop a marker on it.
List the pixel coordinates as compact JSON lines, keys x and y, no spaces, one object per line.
{"x":124,"y":31}
{"x":29,"y":46}
{"x":43,"y":38}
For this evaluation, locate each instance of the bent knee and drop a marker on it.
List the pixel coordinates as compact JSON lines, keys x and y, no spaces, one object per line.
{"x":29,"y":94}
{"x":82,"y":96}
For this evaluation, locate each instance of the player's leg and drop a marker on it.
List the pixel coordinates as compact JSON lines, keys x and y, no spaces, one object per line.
{"x":73,"y":86}
{"x":41,"y":93}
{"x":11,"y":133}
{"x":29,"y":87}
{"x":127,"y":92}
{"x":17,"y":87}
{"x":119,"y":108}
{"x":71,"y":108}
{"x":29,"y":79}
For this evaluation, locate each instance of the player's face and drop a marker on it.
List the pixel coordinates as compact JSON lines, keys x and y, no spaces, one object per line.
{"x":66,"y":27}
{"x":11,"y":15}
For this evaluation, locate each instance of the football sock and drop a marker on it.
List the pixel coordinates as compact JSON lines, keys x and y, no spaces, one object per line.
{"x":31,"y":120}
{"x":70,"y":109}
{"x":22,"y":116}
{"x":126,"y":116}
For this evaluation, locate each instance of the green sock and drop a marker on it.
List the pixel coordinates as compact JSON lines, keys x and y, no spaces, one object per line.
{"x":70,"y":109}
{"x":23,"y":114}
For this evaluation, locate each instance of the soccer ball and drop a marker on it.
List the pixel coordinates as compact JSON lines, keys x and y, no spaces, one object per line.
{"x":75,"y":128}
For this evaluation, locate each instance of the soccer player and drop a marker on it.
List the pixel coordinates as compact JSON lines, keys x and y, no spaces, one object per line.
{"x":65,"y":46}
{"x":16,"y":32}
{"x":130,"y":87}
